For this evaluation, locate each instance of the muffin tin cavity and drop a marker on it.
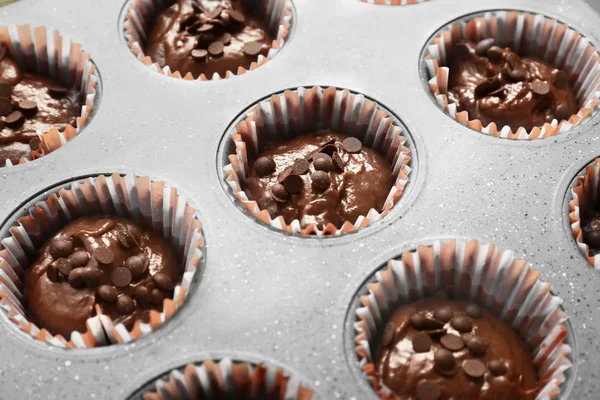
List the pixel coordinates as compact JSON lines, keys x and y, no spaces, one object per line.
{"x":521,"y":84}
{"x":309,"y":110}
{"x":81,"y":260}
{"x":481,"y":280}
{"x":195,"y":40}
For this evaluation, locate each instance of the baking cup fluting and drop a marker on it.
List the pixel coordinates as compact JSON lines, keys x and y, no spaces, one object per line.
{"x":51,"y":54}
{"x":528,"y":34}
{"x":467,"y":270}
{"x":278,"y":16}
{"x":305,"y":110}
{"x":584,"y":196}
{"x":394,"y":2}
{"x":152,"y":204}
{"x":226,"y":378}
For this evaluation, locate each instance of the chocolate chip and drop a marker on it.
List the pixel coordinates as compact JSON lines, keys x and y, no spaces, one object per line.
{"x":388,"y":334}
{"x":473,"y":311}
{"x":252,"y":48}
{"x":3,"y":125}
{"x":560,"y":79}
{"x":444,"y":360}
{"x":63,"y":266}
{"x":120,"y":277}
{"x":205,"y":28}
{"x":443,"y":314}
{"x":433,"y":324}
{"x":452,"y":342}
{"x":518,"y":74}
{"x":237,"y":16}
{"x":135,"y":265}
{"x":329,"y":149}
{"x":125,"y":304}
{"x":462,"y":51}
{"x":88,"y":275}
{"x":540,"y":87}
{"x":498,"y":367}
{"x":495,"y":53}
{"x":14,"y":117}
{"x":163,"y":281}
{"x":474,"y":368}
{"x":462,"y":323}
{"x":57,"y":91}
{"x":562,"y":112}
{"x":107,"y":293}
{"x":300,"y":167}
{"x":338,"y":162}
{"x":104,"y":255}
{"x":483,"y":46}
{"x":197,"y":8}
{"x":483,"y":89}
{"x":142,"y":295}
{"x":476,"y":346}
{"x":124,"y":237}
{"x":466,"y":337}
{"x":225,"y":38}
{"x":199,"y":54}
{"x":293,"y":183}
{"x":5,"y":90}
{"x":418,"y":321}
{"x":214,"y":13}
{"x":52,"y":273}
{"x":34,"y":144}
{"x":279,"y":193}
{"x":216,"y":49}
{"x":28,"y":106}
{"x":428,"y":390}
{"x":421,"y":343}
{"x":320,"y":180}
{"x":80,"y":258}
{"x":61,"y":248}
{"x":352,"y":145}
{"x":157,"y":296}
{"x":264,"y":166}
{"x":436,"y":333}
{"x":323,"y":163}
{"x":6,"y":107}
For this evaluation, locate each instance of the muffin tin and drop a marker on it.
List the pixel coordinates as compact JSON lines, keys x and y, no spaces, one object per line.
{"x":264,"y":295}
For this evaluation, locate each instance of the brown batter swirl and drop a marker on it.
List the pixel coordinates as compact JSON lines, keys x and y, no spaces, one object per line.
{"x":363,"y":182}
{"x":448,"y":349}
{"x":496,"y":85}
{"x":53,"y":108}
{"x":62,"y":303}
{"x":178,"y":30}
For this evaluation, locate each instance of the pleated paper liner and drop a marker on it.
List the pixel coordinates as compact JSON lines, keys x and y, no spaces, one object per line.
{"x":153,"y":204}
{"x":48,"y":53}
{"x":468,"y":270}
{"x":227,"y":379}
{"x":527,"y":34}
{"x":307,"y":110}
{"x":277,"y":14}
{"x":584,"y":194}
{"x":394,"y":2}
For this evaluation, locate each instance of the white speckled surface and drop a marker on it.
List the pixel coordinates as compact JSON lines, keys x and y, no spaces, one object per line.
{"x":284,"y":298}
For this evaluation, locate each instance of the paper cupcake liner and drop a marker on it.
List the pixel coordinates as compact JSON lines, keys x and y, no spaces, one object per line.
{"x":141,"y":13}
{"x":394,"y":2}
{"x":152,"y":204}
{"x":528,"y":34}
{"x":307,"y":110}
{"x":584,"y":194}
{"x":469,"y":270}
{"x":48,"y":53}
{"x":213,"y":379}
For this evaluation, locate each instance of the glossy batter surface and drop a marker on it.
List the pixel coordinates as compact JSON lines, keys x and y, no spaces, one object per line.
{"x":178,"y":30}
{"x":403,"y":369}
{"x":363,"y":183}
{"x":61,"y":304}
{"x":497,"y":87}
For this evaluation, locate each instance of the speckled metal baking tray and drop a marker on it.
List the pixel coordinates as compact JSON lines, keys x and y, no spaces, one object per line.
{"x":266,"y":295}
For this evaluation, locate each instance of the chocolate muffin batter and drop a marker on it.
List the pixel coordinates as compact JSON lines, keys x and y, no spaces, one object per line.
{"x":590,"y":222}
{"x":30,"y":103}
{"x":448,"y":349}
{"x":207,"y":36}
{"x":108,"y":261}
{"x":496,"y":85}
{"x":320,"y":178}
